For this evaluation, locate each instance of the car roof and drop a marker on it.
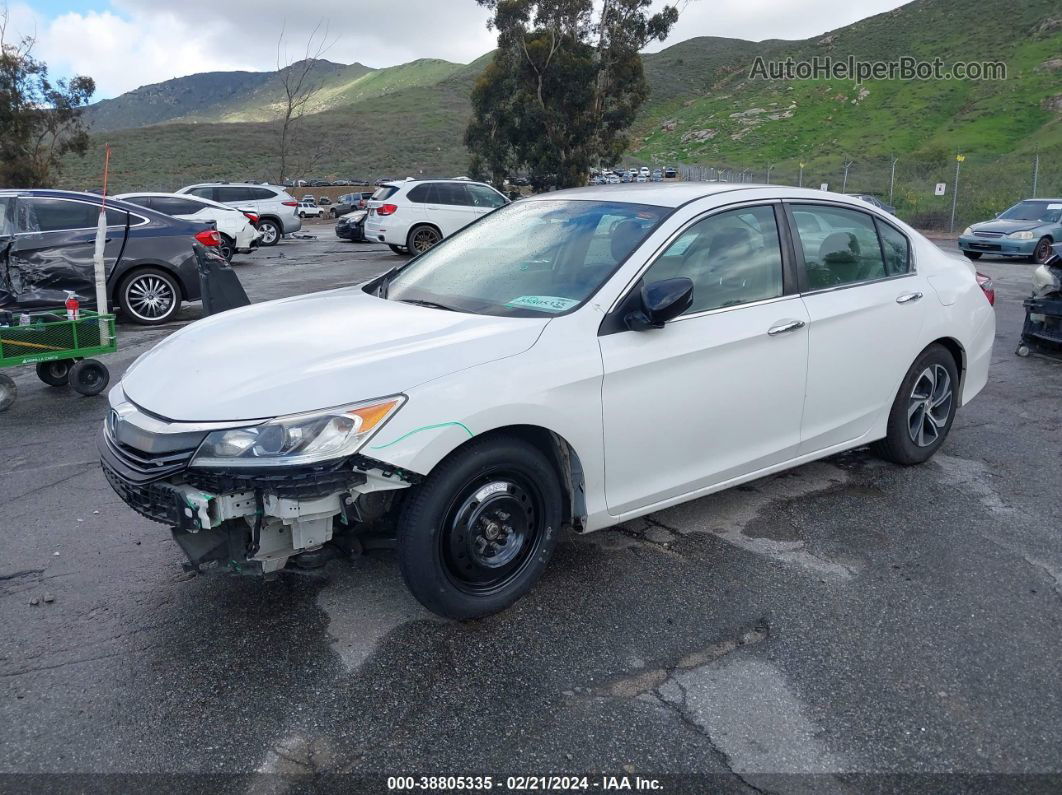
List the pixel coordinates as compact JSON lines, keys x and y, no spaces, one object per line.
{"x":398,"y":183}
{"x":239,"y":184}
{"x":678,"y":193}
{"x":200,"y":199}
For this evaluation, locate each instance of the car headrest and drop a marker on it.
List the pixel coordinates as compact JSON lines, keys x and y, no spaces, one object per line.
{"x":839,"y":247}
{"x":730,"y":242}
{"x":625,"y":237}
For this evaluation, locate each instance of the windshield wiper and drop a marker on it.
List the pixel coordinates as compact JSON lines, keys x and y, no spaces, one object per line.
{"x":429,"y":304}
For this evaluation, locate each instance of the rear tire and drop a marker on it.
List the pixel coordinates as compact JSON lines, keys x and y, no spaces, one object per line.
{"x":477,"y":534}
{"x":972,"y":255}
{"x":89,"y":377}
{"x":227,"y":248}
{"x":421,"y":238}
{"x":271,"y":232}
{"x":924,"y":409}
{"x":55,"y":373}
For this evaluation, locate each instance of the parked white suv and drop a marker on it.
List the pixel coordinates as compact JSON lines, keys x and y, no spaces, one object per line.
{"x":238,"y":228}
{"x":273,"y":205}
{"x":414,"y":215}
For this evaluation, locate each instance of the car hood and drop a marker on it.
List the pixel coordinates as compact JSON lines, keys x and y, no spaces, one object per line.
{"x":1006,"y":227}
{"x":312,"y":352}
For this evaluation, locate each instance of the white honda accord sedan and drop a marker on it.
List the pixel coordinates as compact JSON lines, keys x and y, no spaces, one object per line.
{"x":572,"y":360}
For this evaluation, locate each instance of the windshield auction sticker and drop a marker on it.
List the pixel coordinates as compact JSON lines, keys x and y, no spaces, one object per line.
{"x":543,"y":303}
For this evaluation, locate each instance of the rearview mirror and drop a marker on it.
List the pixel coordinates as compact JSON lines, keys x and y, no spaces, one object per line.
{"x":660,"y":302}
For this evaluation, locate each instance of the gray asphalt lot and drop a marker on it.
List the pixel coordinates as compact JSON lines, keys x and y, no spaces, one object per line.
{"x":848,"y":617}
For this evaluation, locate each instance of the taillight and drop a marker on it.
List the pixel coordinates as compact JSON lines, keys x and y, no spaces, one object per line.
{"x":387,"y":209}
{"x":290,"y":204}
{"x":252,"y":218}
{"x":209,"y":237}
{"x":986,"y":284}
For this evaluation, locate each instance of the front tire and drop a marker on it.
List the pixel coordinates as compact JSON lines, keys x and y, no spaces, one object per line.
{"x":478,"y":532}
{"x":271,"y":232}
{"x":1042,"y":250}
{"x":399,"y":250}
{"x":924,"y":409}
{"x":150,"y":297}
{"x":972,"y":255}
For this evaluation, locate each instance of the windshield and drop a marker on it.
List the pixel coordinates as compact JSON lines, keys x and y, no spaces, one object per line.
{"x":1048,"y":212}
{"x":528,"y":259}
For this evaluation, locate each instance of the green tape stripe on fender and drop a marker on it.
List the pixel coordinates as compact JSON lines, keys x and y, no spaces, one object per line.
{"x":460,"y":425}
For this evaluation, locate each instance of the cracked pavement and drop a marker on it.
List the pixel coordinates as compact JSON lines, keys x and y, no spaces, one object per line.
{"x":848,"y":617}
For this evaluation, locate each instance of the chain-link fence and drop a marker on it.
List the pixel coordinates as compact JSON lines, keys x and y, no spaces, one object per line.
{"x":926,"y":193}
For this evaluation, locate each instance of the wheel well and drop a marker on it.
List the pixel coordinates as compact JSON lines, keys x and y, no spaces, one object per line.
{"x":564,"y":458}
{"x":958,"y":353}
{"x":268,"y":217}
{"x":415,"y":227}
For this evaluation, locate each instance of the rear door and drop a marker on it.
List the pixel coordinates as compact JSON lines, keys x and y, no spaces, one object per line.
{"x":867,"y":307}
{"x":455,"y":208}
{"x":53,"y":248}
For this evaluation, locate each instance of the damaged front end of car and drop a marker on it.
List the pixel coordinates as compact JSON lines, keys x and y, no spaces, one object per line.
{"x":252,"y":498}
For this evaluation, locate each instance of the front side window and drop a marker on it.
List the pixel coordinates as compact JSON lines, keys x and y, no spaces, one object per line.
{"x":528,"y":259}
{"x":482,"y":196}
{"x":733,"y":258}
{"x":844,"y":250}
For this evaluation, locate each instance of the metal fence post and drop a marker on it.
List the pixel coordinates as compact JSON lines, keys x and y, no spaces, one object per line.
{"x":955,"y":190}
{"x":1036,"y":173}
{"x":801,"y":183}
{"x":892,"y":179}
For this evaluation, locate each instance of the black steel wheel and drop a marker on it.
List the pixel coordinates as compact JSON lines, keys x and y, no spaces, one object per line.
{"x":89,"y":377}
{"x":478,"y":533}
{"x":55,"y":373}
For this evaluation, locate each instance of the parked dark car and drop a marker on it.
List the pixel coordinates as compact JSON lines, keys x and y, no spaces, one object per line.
{"x":349,"y":202}
{"x":352,"y":226}
{"x":47,"y":241}
{"x":318,"y":183}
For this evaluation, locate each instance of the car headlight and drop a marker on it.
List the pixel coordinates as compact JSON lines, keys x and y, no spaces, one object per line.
{"x":967,"y":231}
{"x":1025,"y":234}
{"x":298,"y":438}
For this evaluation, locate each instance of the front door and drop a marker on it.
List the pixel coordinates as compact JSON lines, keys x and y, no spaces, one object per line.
{"x":53,"y":249}
{"x":718,"y":392}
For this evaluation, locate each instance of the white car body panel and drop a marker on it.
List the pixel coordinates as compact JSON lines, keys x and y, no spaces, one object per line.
{"x":230,"y":221}
{"x":652,"y":418}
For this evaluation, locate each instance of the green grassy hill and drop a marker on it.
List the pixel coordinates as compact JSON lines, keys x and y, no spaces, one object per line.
{"x":703,"y":109}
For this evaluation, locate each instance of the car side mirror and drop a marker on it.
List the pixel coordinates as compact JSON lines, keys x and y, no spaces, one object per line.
{"x":660,"y":302}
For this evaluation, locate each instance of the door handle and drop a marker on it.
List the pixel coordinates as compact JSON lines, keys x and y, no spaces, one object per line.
{"x":909,"y":298}
{"x":785,"y":327}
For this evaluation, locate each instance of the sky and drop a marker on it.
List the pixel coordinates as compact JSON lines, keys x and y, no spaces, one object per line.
{"x":124,"y":44}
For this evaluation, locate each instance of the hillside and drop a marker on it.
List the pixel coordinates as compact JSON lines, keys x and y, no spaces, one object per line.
{"x":703,"y":109}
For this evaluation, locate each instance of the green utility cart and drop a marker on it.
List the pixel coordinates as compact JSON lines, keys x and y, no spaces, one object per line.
{"x":60,"y":348}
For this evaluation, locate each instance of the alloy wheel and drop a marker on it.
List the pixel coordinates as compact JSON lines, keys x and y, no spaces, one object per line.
{"x":270,"y":233}
{"x":929,"y":407}
{"x":423,"y":239}
{"x":149,"y":297}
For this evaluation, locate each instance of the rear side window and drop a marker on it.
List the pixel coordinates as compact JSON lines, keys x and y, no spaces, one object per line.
{"x":423,"y":194}
{"x":233,"y":194}
{"x":384,"y":192}
{"x":259,"y":194}
{"x":39,"y":214}
{"x":844,"y":249}
{"x":171,"y":205}
{"x":204,"y":193}
{"x":897,"y":249}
